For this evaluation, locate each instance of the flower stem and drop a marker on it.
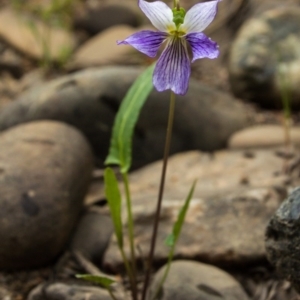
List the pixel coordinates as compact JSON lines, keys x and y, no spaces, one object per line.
{"x":161,"y":190}
{"x":131,"y":235}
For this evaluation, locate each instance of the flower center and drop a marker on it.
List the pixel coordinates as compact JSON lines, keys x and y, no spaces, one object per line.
{"x":178,"y":18}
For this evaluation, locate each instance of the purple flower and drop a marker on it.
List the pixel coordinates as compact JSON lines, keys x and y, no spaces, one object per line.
{"x":179,"y":30}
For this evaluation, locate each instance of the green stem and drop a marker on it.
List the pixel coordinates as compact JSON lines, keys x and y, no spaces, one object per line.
{"x":165,"y":273}
{"x":161,"y":191}
{"x":130,"y":275}
{"x":131,"y":233}
{"x":111,"y":294}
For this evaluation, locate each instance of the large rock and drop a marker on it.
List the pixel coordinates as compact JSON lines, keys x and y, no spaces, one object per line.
{"x":196,"y":281}
{"x":235,"y":196}
{"x":264,"y":63}
{"x":45,"y":170}
{"x":89,"y":100}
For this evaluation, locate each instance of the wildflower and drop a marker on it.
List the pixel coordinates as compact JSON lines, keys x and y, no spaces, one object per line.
{"x":180,"y":30}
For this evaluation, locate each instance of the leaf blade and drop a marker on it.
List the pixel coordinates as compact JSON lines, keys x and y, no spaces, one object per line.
{"x":126,"y":118}
{"x":114,"y":200}
{"x":103,"y":281}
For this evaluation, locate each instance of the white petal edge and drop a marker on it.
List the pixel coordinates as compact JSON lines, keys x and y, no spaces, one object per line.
{"x":199,"y":16}
{"x":159,"y":13}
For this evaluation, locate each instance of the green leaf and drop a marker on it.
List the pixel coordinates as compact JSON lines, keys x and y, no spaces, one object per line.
{"x":127,"y":116}
{"x":181,"y":216}
{"x":169,"y":241}
{"x":100,"y":280}
{"x":113,"y":197}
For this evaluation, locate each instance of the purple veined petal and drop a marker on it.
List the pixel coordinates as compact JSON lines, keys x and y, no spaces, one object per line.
{"x":145,"y":41}
{"x":173,"y":69}
{"x":159,"y":13}
{"x":202,"y":46}
{"x":199,"y":17}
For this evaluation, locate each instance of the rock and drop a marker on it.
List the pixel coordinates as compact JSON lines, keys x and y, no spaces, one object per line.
{"x":262,"y":136}
{"x":105,"y":43}
{"x":5,"y":294}
{"x":89,"y":100}
{"x":235,"y":191}
{"x":17,"y":30}
{"x":264,"y":61}
{"x":196,"y":281}
{"x":103,"y":17}
{"x":283,"y":239}
{"x":92,"y":235}
{"x":10,"y":61}
{"x":45,"y":170}
{"x":65,"y":291}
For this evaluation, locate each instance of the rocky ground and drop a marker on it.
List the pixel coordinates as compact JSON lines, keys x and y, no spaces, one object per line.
{"x":62,"y":79}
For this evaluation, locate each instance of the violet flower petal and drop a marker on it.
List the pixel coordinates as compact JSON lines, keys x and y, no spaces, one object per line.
{"x":173,"y":69}
{"x":159,"y":13}
{"x":199,"y":17}
{"x":145,"y":41}
{"x":202,"y":46}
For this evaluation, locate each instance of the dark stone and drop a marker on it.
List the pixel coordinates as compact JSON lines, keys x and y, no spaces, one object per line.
{"x":103,"y":17}
{"x":283,"y":239}
{"x":264,"y":61}
{"x":45,"y":171}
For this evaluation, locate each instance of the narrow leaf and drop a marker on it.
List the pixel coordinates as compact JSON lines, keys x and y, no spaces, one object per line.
{"x":126,"y":118}
{"x":181,"y":216}
{"x":100,"y":280}
{"x":169,"y":241}
{"x":113,"y":197}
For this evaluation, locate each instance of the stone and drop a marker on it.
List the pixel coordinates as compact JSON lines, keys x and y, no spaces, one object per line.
{"x":45,"y":171}
{"x":102,"y":49}
{"x":192,"y":280}
{"x":16,"y":29}
{"x":264,"y":62}
{"x":67,"y":291}
{"x":283,"y":239}
{"x":92,"y":236}
{"x":89,"y":100}
{"x":5,"y":294}
{"x":261,"y":136}
{"x":106,"y":16}
{"x":10,"y":61}
{"x":235,"y":191}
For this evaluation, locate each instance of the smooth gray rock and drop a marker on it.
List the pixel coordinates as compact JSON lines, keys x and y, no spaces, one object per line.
{"x":45,"y":169}
{"x":283,"y":239}
{"x":192,"y":280}
{"x":89,"y":100}
{"x":92,"y":236}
